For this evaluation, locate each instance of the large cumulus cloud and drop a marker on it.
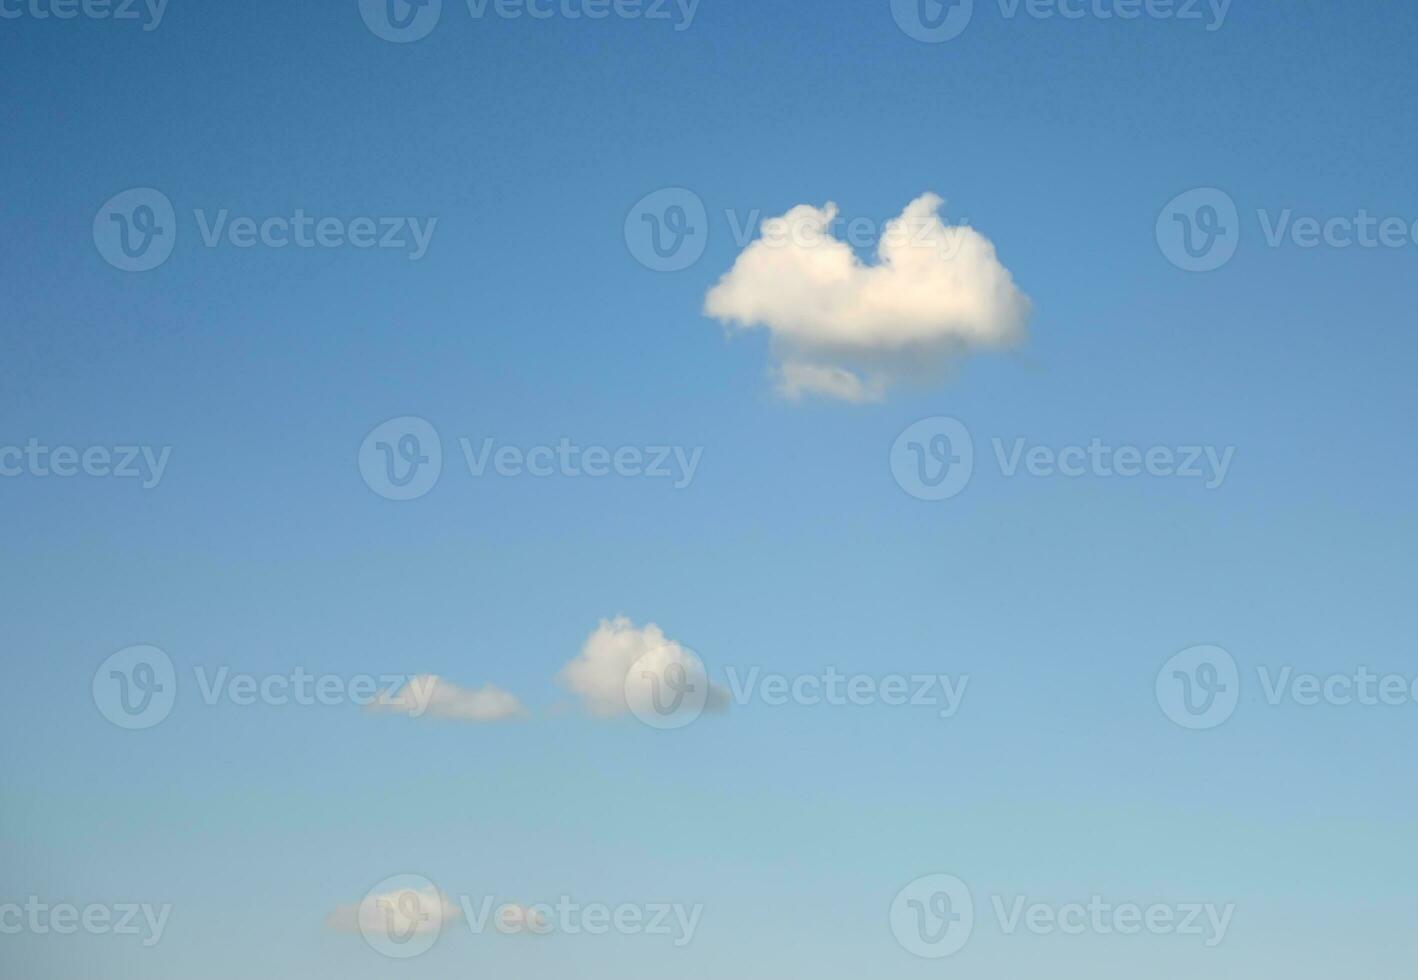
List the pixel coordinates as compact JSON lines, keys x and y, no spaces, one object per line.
{"x":846,"y":329}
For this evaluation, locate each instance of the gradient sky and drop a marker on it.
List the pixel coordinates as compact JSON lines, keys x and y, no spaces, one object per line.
{"x":529,"y":320}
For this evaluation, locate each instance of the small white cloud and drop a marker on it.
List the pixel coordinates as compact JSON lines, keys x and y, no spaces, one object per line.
{"x":599,"y":673}
{"x":796,"y":379}
{"x":849,"y":330}
{"x":432,"y":696}
{"x":401,"y":911}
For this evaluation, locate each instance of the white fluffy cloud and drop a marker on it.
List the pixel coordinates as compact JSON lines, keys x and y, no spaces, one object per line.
{"x":400,"y":911}
{"x":431,"y":696}
{"x":601,"y":674}
{"x":848,"y":330}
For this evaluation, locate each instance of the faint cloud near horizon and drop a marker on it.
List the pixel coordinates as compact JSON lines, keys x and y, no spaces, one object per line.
{"x":430,"y":696}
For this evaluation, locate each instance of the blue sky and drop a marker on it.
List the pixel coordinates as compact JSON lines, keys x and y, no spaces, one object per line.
{"x":793,"y":549}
